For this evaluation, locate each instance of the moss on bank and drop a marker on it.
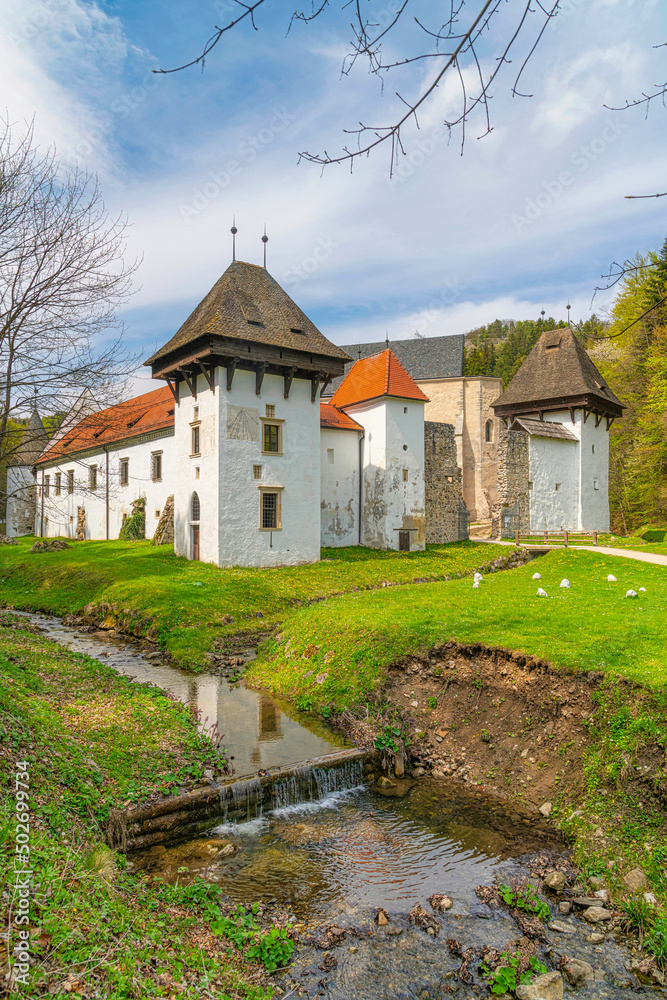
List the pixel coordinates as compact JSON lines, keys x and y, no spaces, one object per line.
{"x":90,"y":740}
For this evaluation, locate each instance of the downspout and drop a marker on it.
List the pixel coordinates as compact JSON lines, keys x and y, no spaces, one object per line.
{"x":106,"y":489}
{"x":361,"y":483}
{"x":41,"y":516}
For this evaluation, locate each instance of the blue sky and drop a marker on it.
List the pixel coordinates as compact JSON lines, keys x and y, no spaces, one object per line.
{"x":528,"y":218}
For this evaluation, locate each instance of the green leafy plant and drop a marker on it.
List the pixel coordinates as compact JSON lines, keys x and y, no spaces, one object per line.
{"x":432,"y":702}
{"x":486,"y":736}
{"x":525,"y":899}
{"x":274,"y":949}
{"x":638,"y":916}
{"x":387,"y":738}
{"x":505,"y":977}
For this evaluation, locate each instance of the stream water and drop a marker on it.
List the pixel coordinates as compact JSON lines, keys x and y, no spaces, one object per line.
{"x":353,"y":848}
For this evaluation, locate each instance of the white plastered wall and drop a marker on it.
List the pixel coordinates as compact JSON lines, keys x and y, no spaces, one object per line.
{"x":56,"y":516}
{"x":228,"y":492}
{"x":393,"y":442}
{"x":21,"y":494}
{"x":581,"y":468}
{"x":339,"y":503}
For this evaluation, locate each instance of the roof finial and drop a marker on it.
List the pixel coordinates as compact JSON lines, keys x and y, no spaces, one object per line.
{"x":359,"y":351}
{"x":386,"y":339}
{"x":234,"y":231}
{"x":542,"y":321}
{"x":568,"y":307}
{"x":265,"y":240}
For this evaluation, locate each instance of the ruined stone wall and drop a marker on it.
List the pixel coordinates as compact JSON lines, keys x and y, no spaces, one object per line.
{"x":513,"y":477}
{"x":443,"y":482}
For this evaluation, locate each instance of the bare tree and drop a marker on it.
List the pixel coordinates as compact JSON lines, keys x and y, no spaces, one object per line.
{"x":450,"y":36}
{"x":62,"y":279}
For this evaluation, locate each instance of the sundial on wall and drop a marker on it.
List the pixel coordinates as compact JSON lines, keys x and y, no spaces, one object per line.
{"x":243,"y":423}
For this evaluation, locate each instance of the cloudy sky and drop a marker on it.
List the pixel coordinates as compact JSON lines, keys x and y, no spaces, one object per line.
{"x":527,"y":218}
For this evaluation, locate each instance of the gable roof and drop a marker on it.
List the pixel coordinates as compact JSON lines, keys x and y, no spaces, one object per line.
{"x":33,"y":441}
{"x":557,"y":369}
{"x":151,"y":412}
{"x":543,"y":428}
{"x":334,"y":418}
{"x":247,"y":303}
{"x":372,"y":378}
{"x":422,"y":357}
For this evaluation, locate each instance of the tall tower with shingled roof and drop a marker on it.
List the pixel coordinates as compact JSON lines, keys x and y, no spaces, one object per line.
{"x":21,"y":483}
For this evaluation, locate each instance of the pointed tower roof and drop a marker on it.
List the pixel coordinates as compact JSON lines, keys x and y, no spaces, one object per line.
{"x":557,"y":374}
{"x":371,"y":378}
{"x":33,"y":441}
{"x":247,"y":304}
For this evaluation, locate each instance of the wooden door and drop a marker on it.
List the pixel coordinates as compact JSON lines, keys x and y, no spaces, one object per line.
{"x":404,"y":541}
{"x":195,"y":542}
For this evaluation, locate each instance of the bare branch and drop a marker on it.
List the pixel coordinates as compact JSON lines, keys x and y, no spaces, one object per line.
{"x":662,"y":195}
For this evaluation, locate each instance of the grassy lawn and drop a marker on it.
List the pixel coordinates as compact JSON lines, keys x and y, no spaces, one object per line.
{"x":188,"y":601}
{"x":591,"y":626}
{"x":91,"y":740}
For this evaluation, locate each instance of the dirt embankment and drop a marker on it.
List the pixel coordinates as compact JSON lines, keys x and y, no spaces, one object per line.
{"x":503,"y":721}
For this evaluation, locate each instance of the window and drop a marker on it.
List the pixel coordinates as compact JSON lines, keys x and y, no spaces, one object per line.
{"x":270,"y":410}
{"x":157,"y":515}
{"x":124,"y":471}
{"x":47,"y":485}
{"x":59,"y":482}
{"x":405,"y":409}
{"x":593,"y":447}
{"x":194,"y":444}
{"x":92,"y":477}
{"x":196,"y":472}
{"x":70,"y":480}
{"x":557,"y":487}
{"x":71,"y":519}
{"x":530,"y":486}
{"x":488,"y":431}
{"x":257,"y":472}
{"x":596,"y":485}
{"x":272,"y":438}
{"x":269,"y":511}
{"x":195,"y":413}
{"x":330,"y":456}
{"x":156,"y":466}
{"x":405,"y":475}
{"x":194,"y":508}
{"x":125,"y":517}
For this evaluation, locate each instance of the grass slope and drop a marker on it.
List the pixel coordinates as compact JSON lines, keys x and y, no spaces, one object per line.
{"x":189,"y":600}
{"x":591,"y":626}
{"x":91,"y":740}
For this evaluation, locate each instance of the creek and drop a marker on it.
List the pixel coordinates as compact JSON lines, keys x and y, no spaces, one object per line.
{"x":330,"y":848}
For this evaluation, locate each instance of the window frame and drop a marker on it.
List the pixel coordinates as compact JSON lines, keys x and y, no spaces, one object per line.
{"x":156,"y":459}
{"x":272,"y":422}
{"x":271,"y":490}
{"x":70,"y":482}
{"x":92,"y":478}
{"x":195,"y":428}
{"x":58,"y":483}
{"x":47,"y":486}
{"x":124,"y":473}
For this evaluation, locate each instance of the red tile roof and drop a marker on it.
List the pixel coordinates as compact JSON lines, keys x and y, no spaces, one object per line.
{"x":332,"y":417}
{"x":151,"y":412}
{"x":371,"y":378}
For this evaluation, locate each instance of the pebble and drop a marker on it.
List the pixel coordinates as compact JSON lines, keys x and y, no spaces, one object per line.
{"x":545,"y":809}
{"x":353,"y":950}
{"x":561,"y":927}
{"x":595,"y":937}
{"x":596,"y":914}
{"x":564,"y":907}
{"x":555,"y":881}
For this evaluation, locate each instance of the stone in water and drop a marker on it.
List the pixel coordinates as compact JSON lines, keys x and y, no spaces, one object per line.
{"x":542,"y":593}
{"x":611,"y":578}
{"x":565,"y":583}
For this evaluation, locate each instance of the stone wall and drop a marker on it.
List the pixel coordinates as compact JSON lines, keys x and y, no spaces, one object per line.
{"x":164,"y":533}
{"x":513,"y":477}
{"x":443,"y":482}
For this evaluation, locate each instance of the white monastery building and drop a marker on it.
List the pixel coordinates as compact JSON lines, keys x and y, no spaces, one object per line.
{"x":255,"y":469}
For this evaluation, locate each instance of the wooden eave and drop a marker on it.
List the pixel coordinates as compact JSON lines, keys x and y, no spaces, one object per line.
{"x":587,"y":401}
{"x":217,"y":351}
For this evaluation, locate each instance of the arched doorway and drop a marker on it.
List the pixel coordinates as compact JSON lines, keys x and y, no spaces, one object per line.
{"x":195,"y":516}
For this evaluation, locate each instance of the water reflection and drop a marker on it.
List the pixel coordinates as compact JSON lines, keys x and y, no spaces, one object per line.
{"x":258,"y":732}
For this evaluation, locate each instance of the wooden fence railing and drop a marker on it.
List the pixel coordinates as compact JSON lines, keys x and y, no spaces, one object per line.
{"x":556,"y":538}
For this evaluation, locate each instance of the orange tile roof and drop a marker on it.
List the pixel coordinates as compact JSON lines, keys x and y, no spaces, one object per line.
{"x":332,"y":417}
{"x":151,"y":412}
{"x":370,"y":378}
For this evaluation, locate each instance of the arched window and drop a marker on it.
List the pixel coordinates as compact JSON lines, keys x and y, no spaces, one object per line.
{"x":194,"y":508}
{"x":489,"y":430}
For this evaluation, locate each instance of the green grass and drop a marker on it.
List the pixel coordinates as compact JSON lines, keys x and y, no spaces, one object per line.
{"x":592,"y":626}
{"x":188,"y":600}
{"x":92,"y":740}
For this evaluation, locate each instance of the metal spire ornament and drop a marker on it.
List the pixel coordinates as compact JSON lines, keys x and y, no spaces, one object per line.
{"x":265,"y":240}
{"x":234,"y":231}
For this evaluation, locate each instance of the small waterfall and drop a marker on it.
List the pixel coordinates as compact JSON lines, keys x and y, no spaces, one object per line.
{"x":310,"y":783}
{"x":242,"y":800}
